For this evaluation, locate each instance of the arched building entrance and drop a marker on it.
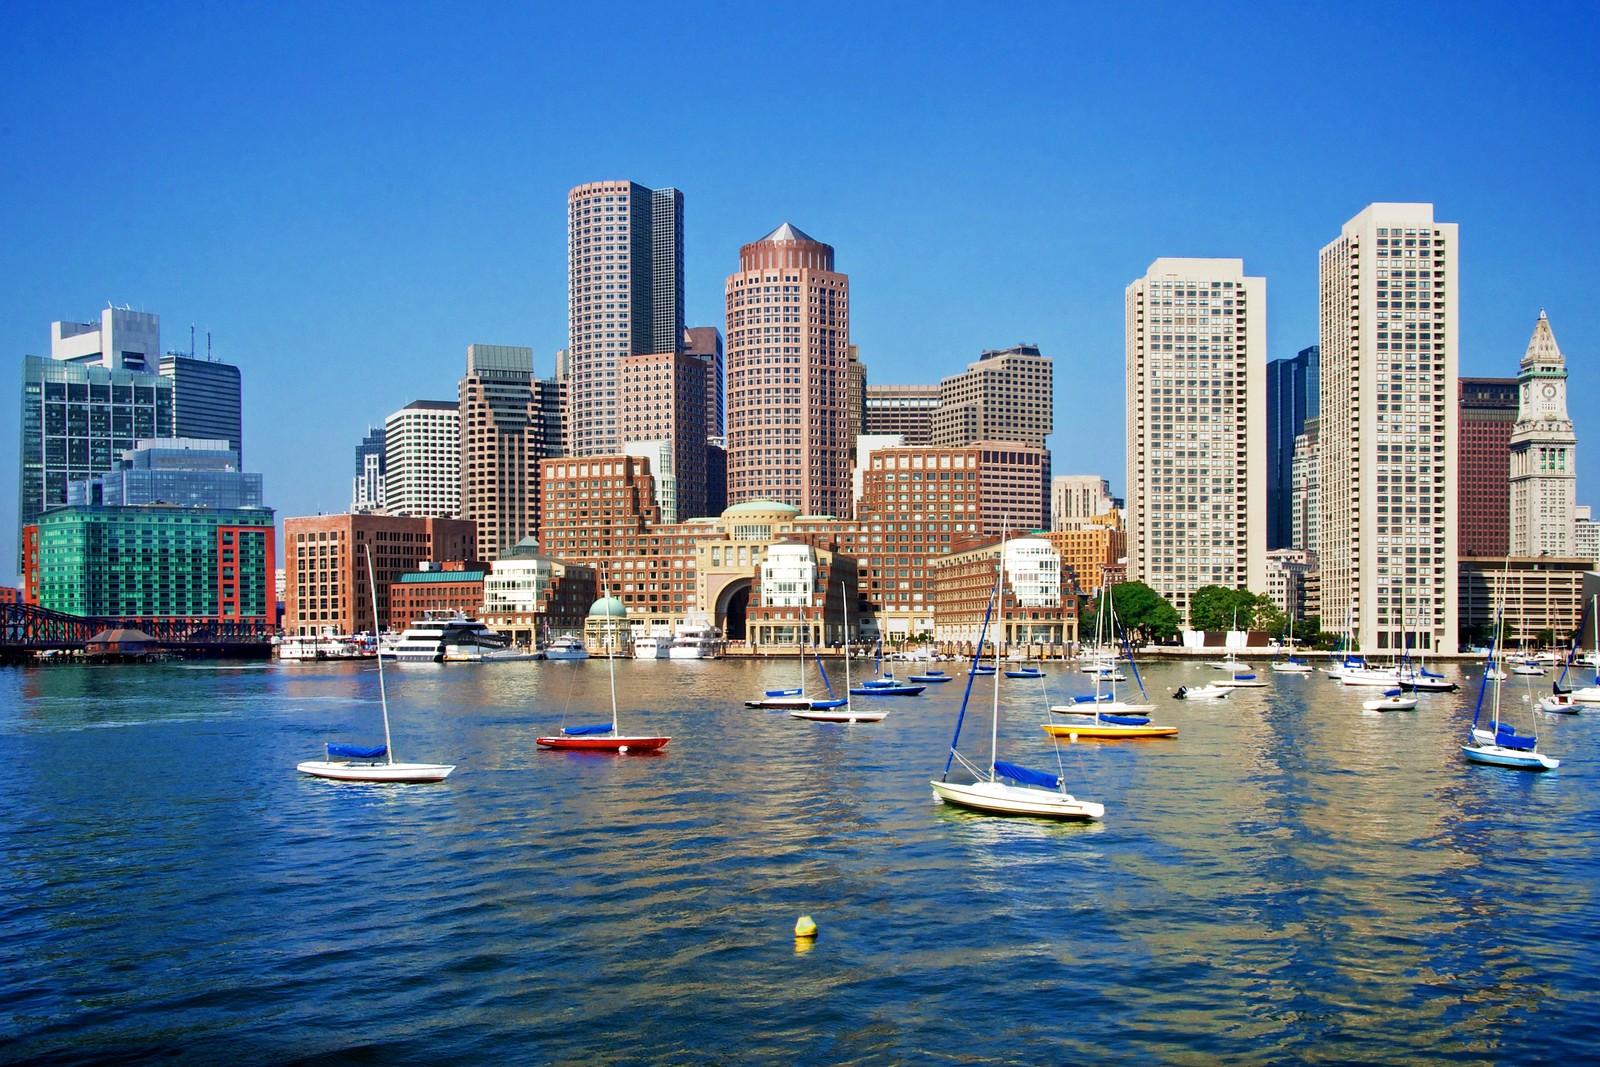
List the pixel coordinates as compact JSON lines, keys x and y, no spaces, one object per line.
{"x":732,"y":605}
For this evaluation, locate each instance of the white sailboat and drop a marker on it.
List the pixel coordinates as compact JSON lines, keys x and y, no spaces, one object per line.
{"x":1498,"y":743}
{"x":795,"y":699}
{"x":1002,"y":788}
{"x":355,"y":763}
{"x":1562,"y":698}
{"x":844,"y":710}
{"x":1101,"y":715}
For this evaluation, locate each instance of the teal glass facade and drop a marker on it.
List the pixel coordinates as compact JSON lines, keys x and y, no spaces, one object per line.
{"x":156,"y":561}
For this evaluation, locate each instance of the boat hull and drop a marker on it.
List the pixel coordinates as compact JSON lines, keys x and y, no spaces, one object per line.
{"x":795,"y":704}
{"x":603,"y":744}
{"x":996,"y":798}
{"x":925,"y":679}
{"x":1391,"y":704}
{"x":358,"y":771}
{"x":1515,"y":758}
{"x":1106,"y":731}
{"x":842,"y":714}
{"x":1560,"y":704}
{"x":1203,"y":692}
{"x":887,"y":690}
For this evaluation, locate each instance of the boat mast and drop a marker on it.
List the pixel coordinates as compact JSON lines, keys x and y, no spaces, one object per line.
{"x":611,"y":666}
{"x":383,"y":695}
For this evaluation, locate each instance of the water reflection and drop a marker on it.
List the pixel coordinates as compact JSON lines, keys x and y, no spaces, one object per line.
{"x":1288,"y":879}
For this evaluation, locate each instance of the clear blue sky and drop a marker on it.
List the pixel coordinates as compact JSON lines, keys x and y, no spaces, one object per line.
{"x":347,"y":198}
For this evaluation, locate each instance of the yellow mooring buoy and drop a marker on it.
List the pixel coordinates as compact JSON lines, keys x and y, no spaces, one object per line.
{"x":805,"y":927}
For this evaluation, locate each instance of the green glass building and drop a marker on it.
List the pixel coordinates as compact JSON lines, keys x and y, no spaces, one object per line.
{"x":157,"y":561}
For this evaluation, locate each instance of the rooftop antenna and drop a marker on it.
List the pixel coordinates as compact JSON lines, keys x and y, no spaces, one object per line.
{"x":208,"y":345}
{"x":191,"y":340}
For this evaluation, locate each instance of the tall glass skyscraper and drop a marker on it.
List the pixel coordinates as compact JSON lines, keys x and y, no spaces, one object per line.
{"x":1291,"y":400}
{"x":206,"y":400}
{"x":625,"y":297}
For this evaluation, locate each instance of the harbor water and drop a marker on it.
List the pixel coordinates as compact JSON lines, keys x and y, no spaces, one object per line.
{"x":1289,"y":880}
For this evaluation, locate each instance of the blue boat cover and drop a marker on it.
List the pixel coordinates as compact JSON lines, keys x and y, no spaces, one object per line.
{"x":1426,"y":673}
{"x":1026,"y":776}
{"x":783,"y":692}
{"x":1245,"y":677}
{"x":1125,"y":720}
{"x":598,"y":728}
{"x":356,"y":751}
{"x":1391,"y":692}
{"x":1506,"y":736}
{"x":1297,"y":660}
{"x":1090,"y":698}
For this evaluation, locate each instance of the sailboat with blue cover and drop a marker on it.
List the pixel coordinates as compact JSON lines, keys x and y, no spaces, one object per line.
{"x":1497,"y":742}
{"x":372,"y":763}
{"x":1564,"y":697}
{"x":885,"y":685}
{"x":1000,"y":787}
{"x":843,"y":711}
{"x":795,"y":699}
{"x":1100,"y":716}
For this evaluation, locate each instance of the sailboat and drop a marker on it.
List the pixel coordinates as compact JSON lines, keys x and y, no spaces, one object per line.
{"x":841,"y":710}
{"x":1498,"y":743}
{"x":1418,"y":678}
{"x":795,"y":699}
{"x":1392,"y":700}
{"x":884,"y":685}
{"x":603,"y":737}
{"x":1561,"y":698}
{"x":1101,"y":716}
{"x":1006,"y":788}
{"x":356,"y":763}
{"x":1289,"y":663}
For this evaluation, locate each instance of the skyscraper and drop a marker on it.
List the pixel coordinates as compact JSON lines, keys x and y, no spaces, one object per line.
{"x":704,"y":343}
{"x":1483,"y":465}
{"x":625,"y":297}
{"x":788,"y":375}
{"x":366,"y":492}
{"x":1291,"y":399}
{"x":95,"y":397}
{"x":1387,"y":545}
{"x":663,"y":400}
{"x":1007,"y":395}
{"x":1077,"y":498}
{"x":1196,"y":426}
{"x":502,"y":445}
{"x":207,"y":401}
{"x":1544,"y":452}
{"x":422,"y":460}
{"x":906,"y":410}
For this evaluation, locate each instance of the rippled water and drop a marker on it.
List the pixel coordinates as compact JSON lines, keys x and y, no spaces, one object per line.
{"x":1289,"y":880}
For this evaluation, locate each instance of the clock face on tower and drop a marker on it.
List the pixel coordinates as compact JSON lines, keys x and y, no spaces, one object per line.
{"x":1549,"y":391}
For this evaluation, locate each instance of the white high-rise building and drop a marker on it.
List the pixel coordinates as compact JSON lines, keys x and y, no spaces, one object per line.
{"x":1196,"y":424}
{"x":1544,"y":452}
{"x":422,"y":460}
{"x":1388,"y":434}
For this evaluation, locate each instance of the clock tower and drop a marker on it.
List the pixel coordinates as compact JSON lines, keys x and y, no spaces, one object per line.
{"x":1543,"y":453}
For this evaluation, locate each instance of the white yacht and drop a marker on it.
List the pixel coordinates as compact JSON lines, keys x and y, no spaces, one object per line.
{"x":696,"y":641}
{"x":565,"y":648}
{"x":428,"y":637}
{"x":654,"y":645}
{"x":301,"y":648}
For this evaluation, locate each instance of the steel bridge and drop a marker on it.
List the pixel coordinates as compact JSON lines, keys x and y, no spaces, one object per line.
{"x":25,"y":628}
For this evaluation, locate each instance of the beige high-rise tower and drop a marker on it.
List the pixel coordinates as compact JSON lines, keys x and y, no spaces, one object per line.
{"x":1196,"y":424}
{"x":789,"y":436}
{"x":502,"y":444}
{"x":1388,"y":431}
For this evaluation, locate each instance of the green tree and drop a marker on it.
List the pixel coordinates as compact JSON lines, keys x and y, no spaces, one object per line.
{"x":1143,"y":613}
{"x":1216,"y":607}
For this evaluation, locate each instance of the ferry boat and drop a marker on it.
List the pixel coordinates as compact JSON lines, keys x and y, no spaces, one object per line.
{"x":428,"y":637}
{"x":696,"y":642}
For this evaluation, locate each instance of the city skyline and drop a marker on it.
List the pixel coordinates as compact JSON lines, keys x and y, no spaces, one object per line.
{"x":345,"y":284}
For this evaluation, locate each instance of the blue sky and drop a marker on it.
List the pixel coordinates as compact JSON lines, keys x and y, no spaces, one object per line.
{"x":347,"y":198}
